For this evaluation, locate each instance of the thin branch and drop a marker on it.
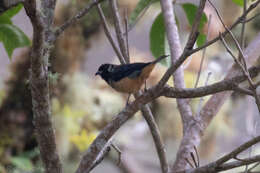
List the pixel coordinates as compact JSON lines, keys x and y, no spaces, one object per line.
{"x":238,"y":21}
{"x":212,"y":168}
{"x":119,"y":29}
{"x":203,"y":54}
{"x":154,"y":129}
{"x":238,"y":150}
{"x":189,"y":162}
{"x":75,"y":18}
{"x":224,"y":85}
{"x":242,"y":35}
{"x":251,"y":18}
{"x":119,"y":153}
{"x":197,"y":155}
{"x":242,"y":57}
{"x":102,"y":155}
{"x":109,"y":35}
{"x":202,"y":99}
{"x":189,"y":46}
{"x":220,"y":165}
{"x":126,"y":35}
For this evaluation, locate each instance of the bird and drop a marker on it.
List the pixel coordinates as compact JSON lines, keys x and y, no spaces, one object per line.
{"x":127,"y":78}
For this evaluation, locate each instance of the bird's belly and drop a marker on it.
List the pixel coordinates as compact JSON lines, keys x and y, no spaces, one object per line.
{"x":127,"y":85}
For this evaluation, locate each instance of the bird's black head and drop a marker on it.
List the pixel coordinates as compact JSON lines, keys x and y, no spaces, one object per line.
{"x":104,"y":70}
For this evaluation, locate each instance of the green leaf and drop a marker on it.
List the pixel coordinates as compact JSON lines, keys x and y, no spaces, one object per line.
{"x":190,"y":11}
{"x":12,"y":37}
{"x":142,"y":4}
{"x":201,"y":39}
{"x":157,"y":36}
{"x":13,"y":11}
{"x":239,"y":2}
{"x":22,"y":163}
{"x":5,"y":18}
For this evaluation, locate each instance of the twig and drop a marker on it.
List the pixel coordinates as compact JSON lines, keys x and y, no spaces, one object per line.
{"x":119,"y":29}
{"x":220,"y":164}
{"x":212,"y":168}
{"x":238,"y":21}
{"x":126,"y":35}
{"x":202,"y":99}
{"x":188,"y":161}
{"x":253,"y":167}
{"x":194,"y":160}
{"x":203,"y":54}
{"x":244,"y":91}
{"x":189,"y":46}
{"x":242,"y":35}
{"x":251,"y":18}
{"x":131,"y":26}
{"x":75,"y":18}
{"x":101,"y":156}
{"x":238,"y":150}
{"x":109,"y":35}
{"x":148,"y":116}
{"x":242,"y":56}
{"x":225,"y":85}
{"x":119,"y":153}
{"x":197,"y":155}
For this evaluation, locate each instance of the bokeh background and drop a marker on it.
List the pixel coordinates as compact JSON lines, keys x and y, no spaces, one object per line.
{"x":82,"y":104}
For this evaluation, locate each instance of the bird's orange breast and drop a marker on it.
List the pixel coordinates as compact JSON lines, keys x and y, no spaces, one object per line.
{"x":132,"y":85}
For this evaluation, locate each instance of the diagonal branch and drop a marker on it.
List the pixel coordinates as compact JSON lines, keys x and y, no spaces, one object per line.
{"x":110,"y":129}
{"x":221,"y":165}
{"x":75,"y":18}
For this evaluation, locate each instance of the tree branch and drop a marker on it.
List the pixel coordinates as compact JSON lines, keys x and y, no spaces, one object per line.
{"x":41,"y":20}
{"x":75,"y":18}
{"x":220,"y":165}
{"x":151,"y":94}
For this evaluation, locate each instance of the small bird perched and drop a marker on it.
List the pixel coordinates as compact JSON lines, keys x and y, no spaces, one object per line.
{"x":127,"y":78}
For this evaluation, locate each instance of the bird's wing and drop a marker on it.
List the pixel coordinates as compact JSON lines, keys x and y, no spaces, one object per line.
{"x":128,"y":70}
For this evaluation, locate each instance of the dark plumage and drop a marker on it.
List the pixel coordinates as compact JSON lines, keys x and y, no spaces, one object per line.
{"x":127,"y":78}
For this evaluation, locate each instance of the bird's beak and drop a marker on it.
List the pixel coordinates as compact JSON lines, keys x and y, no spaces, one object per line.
{"x":98,"y":73}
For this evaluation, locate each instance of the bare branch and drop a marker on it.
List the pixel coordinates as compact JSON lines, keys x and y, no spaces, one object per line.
{"x":109,"y":35}
{"x":220,"y":165}
{"x":147,"y":114}
{"x":203,"y":54}
{"x":119,"y":29}
{"x":238,"y":21}
{"x":175,"y":49}
{"x":75,"y":18}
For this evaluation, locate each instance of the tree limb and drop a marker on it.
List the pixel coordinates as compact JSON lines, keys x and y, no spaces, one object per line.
{"x":41,"y":20}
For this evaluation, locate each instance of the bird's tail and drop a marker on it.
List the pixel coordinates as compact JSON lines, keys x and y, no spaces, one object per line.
{"x":159,"y":59}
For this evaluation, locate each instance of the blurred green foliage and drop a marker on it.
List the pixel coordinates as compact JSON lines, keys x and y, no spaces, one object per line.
{"x":10,"y":35}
